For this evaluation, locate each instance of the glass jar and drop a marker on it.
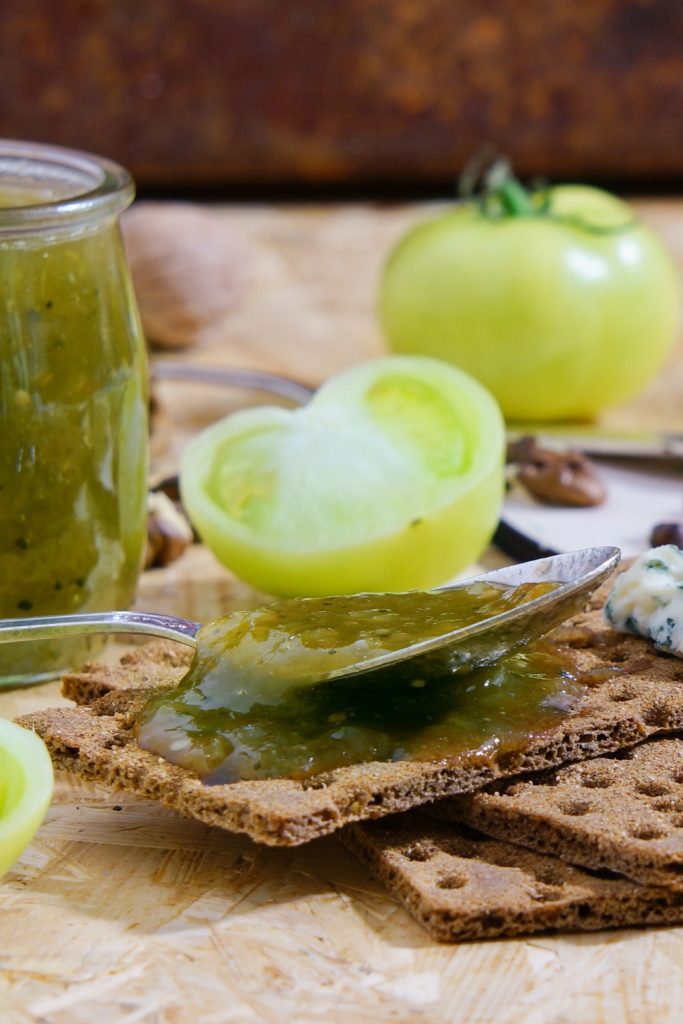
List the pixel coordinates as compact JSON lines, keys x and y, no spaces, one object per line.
{"x":73,"y":399}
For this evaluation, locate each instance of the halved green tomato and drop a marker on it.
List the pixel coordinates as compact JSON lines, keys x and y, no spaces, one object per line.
{"x":26,"y":782}
{"x":390,"y":479}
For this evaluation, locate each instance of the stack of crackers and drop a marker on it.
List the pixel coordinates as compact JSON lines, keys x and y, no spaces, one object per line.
{"x":579,"y":829}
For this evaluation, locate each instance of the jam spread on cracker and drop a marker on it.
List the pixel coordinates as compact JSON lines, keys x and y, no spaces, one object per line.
{"x":261,"y":701}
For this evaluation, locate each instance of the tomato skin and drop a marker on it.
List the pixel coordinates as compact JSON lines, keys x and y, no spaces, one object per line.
{"x":27,"y":784}
{"x":385,"y":565}
{"x":557,"y":320}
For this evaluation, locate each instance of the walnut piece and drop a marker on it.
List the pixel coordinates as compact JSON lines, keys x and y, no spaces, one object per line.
{"x":556,"y":477}
{"x":667,"y":533}
{"x":188,"y":269}
{"x":168,"y":531}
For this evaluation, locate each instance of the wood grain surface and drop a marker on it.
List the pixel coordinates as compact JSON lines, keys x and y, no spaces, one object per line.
{"x":122,"y":913}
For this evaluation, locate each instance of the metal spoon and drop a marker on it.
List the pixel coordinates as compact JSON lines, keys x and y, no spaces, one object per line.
{"x":578,"y":574}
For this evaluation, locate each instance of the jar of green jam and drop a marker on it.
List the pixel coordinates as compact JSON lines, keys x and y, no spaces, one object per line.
{"x":73,"y":399}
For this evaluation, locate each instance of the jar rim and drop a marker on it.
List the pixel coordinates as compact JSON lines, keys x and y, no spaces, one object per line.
{"x":93,"y":186}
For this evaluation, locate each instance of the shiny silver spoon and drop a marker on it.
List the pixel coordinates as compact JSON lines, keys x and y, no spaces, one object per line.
{"x":577,"y":573}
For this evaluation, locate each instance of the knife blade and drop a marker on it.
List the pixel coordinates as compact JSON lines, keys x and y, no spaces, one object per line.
{"x":603,"y":442}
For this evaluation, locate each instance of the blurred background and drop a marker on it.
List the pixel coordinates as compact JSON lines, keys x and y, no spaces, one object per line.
{"x":255,"y":96}
{"x":310,"y":136}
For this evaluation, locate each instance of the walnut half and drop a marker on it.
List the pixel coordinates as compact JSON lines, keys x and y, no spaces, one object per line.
{"x":168,"y":531}
{"x":556,"y":477}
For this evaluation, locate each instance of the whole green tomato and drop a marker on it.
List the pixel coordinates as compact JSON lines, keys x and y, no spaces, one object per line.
{"x":559,"y":304}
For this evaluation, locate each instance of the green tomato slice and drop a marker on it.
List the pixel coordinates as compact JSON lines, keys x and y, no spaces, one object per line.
{"x":26,"y":783}
{"x":391,"y":478}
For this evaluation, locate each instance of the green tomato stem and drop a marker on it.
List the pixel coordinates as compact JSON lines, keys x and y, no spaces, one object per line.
{"x":499,"y":192}
{"x":514,"y":199}
{"x":500,"y":196}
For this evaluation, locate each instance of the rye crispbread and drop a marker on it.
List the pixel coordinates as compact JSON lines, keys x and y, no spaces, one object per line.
{"x":633,"y":693}
{"x":623,"y":812}
{"x":462,"y":885}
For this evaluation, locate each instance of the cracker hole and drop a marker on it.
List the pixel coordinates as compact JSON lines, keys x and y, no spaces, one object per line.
{"x":647,"y":832}
{"x":677,"y":821}
{"x":575,"y":808}
{"x":624,"y":755}
{"x":652,"y":788}
{"x":623,"y":694}
{"x":67,"y":751}
{"x":113,"y":741}
{"x":596,"y":779}
{"x":452,"y":881}
{"x":658,"y":714}
{"x":668,"y":804}
{"x":678,"y":776}
{"x":674,"y":869}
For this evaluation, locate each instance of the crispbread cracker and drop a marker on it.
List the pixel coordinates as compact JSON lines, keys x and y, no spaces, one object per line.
{"x":462,"y":885}
{"x":623,"y":812}
{"x":634,"y":693}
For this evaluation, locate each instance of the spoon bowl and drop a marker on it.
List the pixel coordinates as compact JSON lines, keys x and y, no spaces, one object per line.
{"x":290,"y":654}
{"x":577,"y":573}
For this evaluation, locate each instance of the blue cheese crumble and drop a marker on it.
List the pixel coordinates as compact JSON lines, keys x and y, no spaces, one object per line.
{"x":647,"y":599}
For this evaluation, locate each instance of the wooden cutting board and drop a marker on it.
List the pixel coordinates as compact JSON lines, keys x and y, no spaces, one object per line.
{"x":122,"y":913}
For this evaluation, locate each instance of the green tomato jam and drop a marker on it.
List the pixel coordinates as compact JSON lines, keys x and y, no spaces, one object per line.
{"x":73,"y":423}
{"x":261,"y":699}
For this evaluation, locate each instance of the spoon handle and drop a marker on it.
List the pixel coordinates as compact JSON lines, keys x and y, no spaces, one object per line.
{"x":230,"y":377}
{"x":49,"y":627}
